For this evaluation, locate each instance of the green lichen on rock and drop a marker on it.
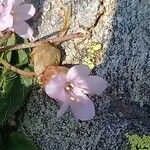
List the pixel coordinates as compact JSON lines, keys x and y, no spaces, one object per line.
{"x":93,"y":51}
{"x":138,"y":143}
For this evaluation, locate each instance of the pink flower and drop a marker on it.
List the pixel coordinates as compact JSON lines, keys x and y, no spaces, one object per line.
{"x":71,"y":89}
{"x":6,"y":19}
{"x":14,"y":13}
{"x":1,"y":8}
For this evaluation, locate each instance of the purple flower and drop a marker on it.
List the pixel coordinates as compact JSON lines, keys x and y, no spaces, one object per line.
{"x":71,"y":89}
{"x":14,"y":13}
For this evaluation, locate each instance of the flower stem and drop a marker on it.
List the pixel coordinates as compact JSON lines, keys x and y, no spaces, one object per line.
{"x":36,"y":43}
{"x":19,"y":71}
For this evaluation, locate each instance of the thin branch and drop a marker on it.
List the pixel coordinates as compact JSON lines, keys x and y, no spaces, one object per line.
{"x":36,"y":43}
{"x":19,"y":71}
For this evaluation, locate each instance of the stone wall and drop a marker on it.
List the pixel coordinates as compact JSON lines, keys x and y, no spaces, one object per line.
{"x":122,"y":27}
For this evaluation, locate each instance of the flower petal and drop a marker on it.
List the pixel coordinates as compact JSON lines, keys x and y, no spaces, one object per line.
{"x":63,"y":109}
{"x":55,"y":89}
{"x":77,"y":91}
{"x":23,"y":29}
{"x":78,"y":71}
{"x":18,"y":2}
{"x":92,"y":85}
{"x":83,"y":109}
{"x":1,"y":8}
{"x":4,"y":2}
{"x":24,"y":12}
{"x":8,"y":4}
{"x":6,"y":22}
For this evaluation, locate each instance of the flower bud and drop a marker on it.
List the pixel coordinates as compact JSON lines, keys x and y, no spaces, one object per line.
{"x":43,"y":56}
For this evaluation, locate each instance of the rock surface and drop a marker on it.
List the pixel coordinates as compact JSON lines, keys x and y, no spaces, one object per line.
{"x":123,"y":27}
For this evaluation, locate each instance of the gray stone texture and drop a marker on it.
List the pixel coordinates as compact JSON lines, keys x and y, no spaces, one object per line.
{"x":123,"y":26}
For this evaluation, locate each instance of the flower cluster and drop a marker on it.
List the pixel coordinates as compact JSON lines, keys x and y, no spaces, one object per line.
{"x":70,"y":89}
{"x":13,"y":14}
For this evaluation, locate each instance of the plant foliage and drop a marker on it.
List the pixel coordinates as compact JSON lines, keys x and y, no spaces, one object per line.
{"x":16,"y":141}
{"x":13,"y":88}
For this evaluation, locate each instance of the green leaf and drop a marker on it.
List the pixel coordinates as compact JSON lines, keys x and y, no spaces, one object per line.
{"x":11,"y":40}
{"x":17,"y":141}
{"x":14,"y":89}
{"x":23,"y":57}
{"x":8,"y":42}
{"x":8,"y":56}
{"x":8,"y":39}
{"x":19,"y":57}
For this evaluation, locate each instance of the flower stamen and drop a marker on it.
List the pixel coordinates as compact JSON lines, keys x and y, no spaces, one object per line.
{"x":72,"y":98}
{"x":72,"y":85}
{"x":69,"y":86}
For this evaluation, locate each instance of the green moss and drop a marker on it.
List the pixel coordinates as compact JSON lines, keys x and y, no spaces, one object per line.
{"x":138,"y":143}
